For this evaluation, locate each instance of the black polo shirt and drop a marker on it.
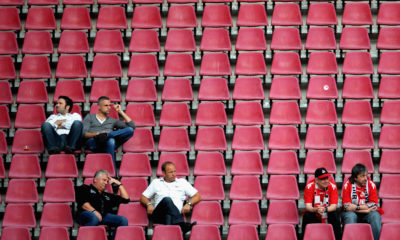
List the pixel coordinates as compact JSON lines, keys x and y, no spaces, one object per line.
{"x":102,"y":202}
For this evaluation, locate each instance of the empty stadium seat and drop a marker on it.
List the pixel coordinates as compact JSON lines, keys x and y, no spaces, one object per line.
{"x":143,"y":65}
{"x":14,"y":233}
{"x":73,"y":42}
{"x":59,"y":190}
{"x":285,"y":112}
{"x":357,"y":14}
{"x":181,"y":16}
{"x":322,"y":87}
{"x":111,"y":17}
{"x":388,"y":63}
{"x":29,"y":116}
{"x":320,"y":38}
{"x":216,"y":16}
{"x":180,"y":40}
{"x":285,"y":88}
{"x":388,"y":38}
{"x":244,"y":212}
{"x":357,"y":87}
{"x":284,"y":138}
{"x":391,"y":209}
{"x":71,"y":66}
{"x":389,"y":137}
{"x":175,"y":114}
{"x":286,"y":39}
{"x":250,"y":63}
{"x":358,"y":137}
{"x":357,"y":230}
{"x":71,"y":88}
{"x":21,"y":191}
{"x":146,"y":17}
{"x":208,"y":212}
{"x":252,"y":15}
{"x":248,"y":88}
{"x":96,"y":161}
{"x":12,"y":3}
{"x":167,"y":232}
{"x":5,"y":121}
{"x":390,"y":231}
{"x":389,"y":162}
{"x":174,"y":139}
{"x":32,"y":92}
{"x":281,"y":231}
{"x":135,"y":165}
{"x":213,"y":89}
{"x":357,"y":112}
{"x":142,"y":141}
{"x":209,"y":163}
{"x":389,"y":87}
{"x":109,"y":88}
{"x":78,"y":2}
{"x":61,"y":166}
{"x":322,"y":63}
{"x":210,"y":139}
{"x":9,"y":19}
{"x":388,"y":188}
{"x":180,"y":161}
{"x":37,"y":42}
{"x":245,"y":188}
{"x":320,"y":137}
{"x":5,"y":92}
{"x":282,"y":212}
{"x":250,"y":39}
{"x":318,"y":159}
{"x":76,"y":18}
{"x":283,"y":162}
{"x":42,"y":2}
{"x":210,"y":188}
{"x":215,"y":64}
{"x":144,"y":40}
{"x":321,"y":14}
{"x":357,"y":63}
{"x":3,"y":143}
{"x":25,"y":166}
{"x":177,"y":89}
{"x":286,"y":14}
{"x":354,"y":38}
{"x":179,"y":65}
{"x":319,"y":229}
{"x":142,"y":114}
{"x":351,"y":158}
{"x":106,"y":66}
{"x":91,"y":233}
{"x":135,"y":186}
{"x":286,"y":63}
{"x":282,"y":187}
{"x":19,"y":215}
{"x":27,"y":141}
{"x":247,"y":163}
{"x":215,"y":39}
{"x":248,"y":113}
{"x":211,"y":114}
{"x":387,"y":14}
{"x":135,"y":213}
{"x":125,"y":232}
{"x":210,"y":232}
{"x":40,"y":18}
{"x":35,"y":67}
{"x":60,"y":233}
{"x":108,"y":41}
{"x":321,"y":112}
{"x":247,"y":138}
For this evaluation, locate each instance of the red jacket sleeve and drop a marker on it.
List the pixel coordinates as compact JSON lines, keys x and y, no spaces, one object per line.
{"x":346,"y":193}
{"x":309,"y":192}
{"x":333,"y":196}
{"x":373,"y":193}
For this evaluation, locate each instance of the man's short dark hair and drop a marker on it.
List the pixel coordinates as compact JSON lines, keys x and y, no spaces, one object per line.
{"x":68,"y":102}
{"x":164,"y":165}
{"x":356,"y":170}
{"x":102,"y":98}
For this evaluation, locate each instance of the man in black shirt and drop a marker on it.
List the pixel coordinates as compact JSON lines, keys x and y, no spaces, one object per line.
{"x":95,"y":204}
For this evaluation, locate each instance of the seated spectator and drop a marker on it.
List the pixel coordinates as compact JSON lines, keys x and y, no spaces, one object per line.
{"x":104,"y":133}
{"x":62,"y":131}
{"x":95,"y":204}
{"x":321,"y":199}
{"x":360,"y":200}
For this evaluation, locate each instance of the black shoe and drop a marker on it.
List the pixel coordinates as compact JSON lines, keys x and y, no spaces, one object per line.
{"x":54,"y":151}
{"x":69,"y":150}
{"x":187,"y":227}
{"x":101,"y":140}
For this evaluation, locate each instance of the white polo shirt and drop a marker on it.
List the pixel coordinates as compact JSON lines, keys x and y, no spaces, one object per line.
{"x":176,"y":190}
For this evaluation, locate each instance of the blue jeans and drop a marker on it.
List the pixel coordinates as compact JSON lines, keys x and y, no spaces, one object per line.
{"x":114,"y":140}
{"x":54,"y":141}
{"x":167,"y":213}
{"x":87,"y":218}
{"x":373,"y":218}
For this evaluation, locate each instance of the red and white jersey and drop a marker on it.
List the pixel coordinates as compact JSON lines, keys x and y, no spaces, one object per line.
{"x":312,"y":191}
{"x":360,"y":195}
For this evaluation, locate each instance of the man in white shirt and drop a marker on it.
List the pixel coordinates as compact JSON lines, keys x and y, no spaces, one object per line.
{"x":169,"y":194}
{"x":63,"y":130}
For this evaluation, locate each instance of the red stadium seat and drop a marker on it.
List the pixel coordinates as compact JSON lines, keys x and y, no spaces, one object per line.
{"x":213,"y":89}
{"x":322,"y":63}
{"x":19,"y":215}
{"x":91,"y":233}
{"x":390,"y":162}
{"x":27,"y":141}
{"x":32,"y":92}
{"x":180,"y":161}
{"x":357,"y":63}
{"x":244,"y":212}
{"x":390,"y":231}
{"x":389,"y":87}
{"x":358,"y":137}
{"x":111,"y":17}
{"x":320,"y":38}
{"x":60,"y":233}
{"x":247,"y":138}
{"x":146,"y":17}
{"x":388,"y":188}
{"x":71,"y":88}
{"x":210,"y":188}
{"x":181,"y":16}
{"x":21,"y":191}
{"x":248,"y":88}
{"x":388,"y":63}
{"x":180,"y":40}
{"x":179,"y":65}
{"x":357,"y":14}
{"x":319,"y":229}
{"x":209,"y":163}
{"x":37,"y":43}
{"x":208,"y":212}
{"x":391,"y":209}
{"x":76,"y":18}
{"x":284,"y":138}
{"x":282,"y":187}
{"x":135,"y":213}
{"x":242,"y":232}
{"x":9,"y":19}
{"x":211,"y":114}
{"x":175,"y":114}
{"x":210,"y":232}
{"x":3,"y":143}
{"x":322,"y":87}
{"x":245,"y":188}
{"x":78,"y":2}
{"x":42,"y":2}
{"x":144,"y":40}
{"x":30,"y":116}
{"x":174,"y":139}
{"x":108,"y":41}
{"x":357,"y":112}
{"x":247,"y":163}
{"x":61,"y":166}
{"x":14,"y":233}
{"x":321,"y":112}
{"x":109,"y":88}
{"x":12,"y":3}
{"x":286,"y":63}
{"x":387,"y":14}
{"x":5,"y":92}
{"x":177,"y":89}
{"x":106,"y":66}
{"x":59,"y":190}
{"x":40,"y":18}
{"x":285,"y":88}
{"x":354,"y":38}
{"x":71,"y":66}
{"x":286,"y":39}
{"x":135,"y":165}
{"x":321,"y":14}
{"x":286,"y":14}
{"x":281,"y":231}
{"x":96,"y":161}
{"x":390,"y":137}
{"x":5,"y":122}
{"x":359,"y":230}
{"x":142,"y":114}
{"x":215,"y":39}
{"x":126,"y":232}
{"x":388,"y":38}
{"x":320,"y":137}
{"x":358,"y":87}
{"x":216,"y":16}
{"x":25,"y":166}
{"x":215,"y":64}
{"x":285,"y":112}
{"x":73,"y":42}
{"x":135,"y":186}
{"x":248,"y":113}
{"x":252,"y":15}
{"x":250,"y":39}
{"x":35,"y":67}
{"x":250,"y":63}
{"x":142,"y":141}
{"x":283,"y":162}
{"x":143,"y":65}
{"x":318,"y":159}
{"x":167,"y":232}
{"x":283,"y":211}
{"x":210,"y":139}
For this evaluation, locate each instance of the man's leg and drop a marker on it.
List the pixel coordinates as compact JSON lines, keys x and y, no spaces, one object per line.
{"x":334,"y":220}
{"x":349,"y":217}
{"x":91,"y":144}
{"x":113,"y":220}
{"x":167,"y":213}
{"x":51,"y":138}
{"x":374,"y":219}
{"x":110,"y":149}
{"x":121,"y":135}
{"x":87,"y":218}
{"x":74,"y":135}
{"x":309,"y":217}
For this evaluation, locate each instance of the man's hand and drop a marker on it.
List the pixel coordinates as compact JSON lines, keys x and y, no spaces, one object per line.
{"x":59,"y":122}
{"x":186,"y":208}
{"x":113,"y":180}
{"x":150,"y":209}
{"x":320,"y":210}
{"x":118,"y":108}
{"x":372,"y":209}
{"x":98,"y":215}
{"x":351,"y":207}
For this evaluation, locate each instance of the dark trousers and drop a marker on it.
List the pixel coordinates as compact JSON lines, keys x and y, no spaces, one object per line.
{"x":167,"y":213}
{"x":332,"y":219}
{"x":53,"y":140}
